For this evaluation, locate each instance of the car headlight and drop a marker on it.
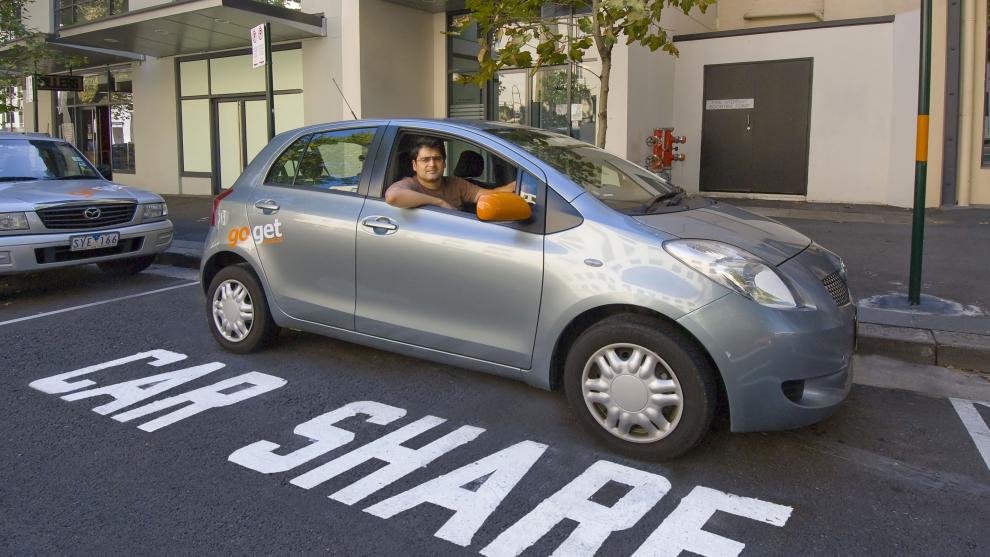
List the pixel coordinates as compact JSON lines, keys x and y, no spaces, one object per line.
{"x":736,"y":269}
{"x":151,"y":211}
{"x":13,"y":221}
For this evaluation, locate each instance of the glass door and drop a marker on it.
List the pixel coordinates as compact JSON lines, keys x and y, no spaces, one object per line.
{"x":241,"y":134}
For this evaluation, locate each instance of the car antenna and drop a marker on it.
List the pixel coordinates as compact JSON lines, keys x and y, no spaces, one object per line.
{"x":343,"y":97}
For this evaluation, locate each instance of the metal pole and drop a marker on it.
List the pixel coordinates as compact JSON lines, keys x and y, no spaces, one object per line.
{"x":921,"y":155}
{"x":34,"y":99}
{"x":269,"y":99}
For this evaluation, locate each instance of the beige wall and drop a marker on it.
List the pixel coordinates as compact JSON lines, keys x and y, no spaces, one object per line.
{"x":862,"y":114}
{"x":38,"y":15}
{"x":642,"y":87}
{"x":980,"y":192}
{"x":155,"y":129}
{"x":732,"y":14}
{"x":398,"y":56}
{"x":322,"y":58}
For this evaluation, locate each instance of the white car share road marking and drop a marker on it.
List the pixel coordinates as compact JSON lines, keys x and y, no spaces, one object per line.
{"x":491,"y":478}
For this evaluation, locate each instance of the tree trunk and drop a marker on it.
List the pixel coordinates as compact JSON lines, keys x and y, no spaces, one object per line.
{"x":606,"y":57}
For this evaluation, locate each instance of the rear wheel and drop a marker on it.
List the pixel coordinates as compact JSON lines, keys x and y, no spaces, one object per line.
{"x":642,"y":386}
{"x":238,"y":312}
{"x":123,"y":267}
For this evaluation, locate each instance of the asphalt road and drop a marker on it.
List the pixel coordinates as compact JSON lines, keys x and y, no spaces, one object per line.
{"x":893,"y":472}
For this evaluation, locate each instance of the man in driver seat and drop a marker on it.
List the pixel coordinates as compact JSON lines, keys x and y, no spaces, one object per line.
{"x":428,"y":186}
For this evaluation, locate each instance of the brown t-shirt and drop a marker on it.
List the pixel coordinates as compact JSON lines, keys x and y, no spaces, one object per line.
{"x":456,"y":191}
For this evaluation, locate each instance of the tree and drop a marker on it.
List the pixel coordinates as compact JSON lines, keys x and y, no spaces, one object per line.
{"x":513,"y":33}
{"x":24,"y":51}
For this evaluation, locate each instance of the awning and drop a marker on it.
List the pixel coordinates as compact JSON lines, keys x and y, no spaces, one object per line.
{"x":192,"y":26}
{"x":94,"y":56}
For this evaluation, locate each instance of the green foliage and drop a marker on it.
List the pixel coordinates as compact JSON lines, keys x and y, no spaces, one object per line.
{"x":25,"y":51}
{"x":524,"y":39}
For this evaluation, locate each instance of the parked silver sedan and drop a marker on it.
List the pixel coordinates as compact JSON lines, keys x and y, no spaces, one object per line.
{"x":645,"y":305}
{"x":56,"y":210}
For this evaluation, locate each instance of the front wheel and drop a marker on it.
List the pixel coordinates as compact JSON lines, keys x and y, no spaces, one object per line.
{"x":642,"y":386}
{"x":238,"y":312}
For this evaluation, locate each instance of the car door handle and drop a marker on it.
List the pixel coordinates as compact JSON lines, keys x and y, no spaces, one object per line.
{"x":267,"y":205}
{"x":380,"y":224}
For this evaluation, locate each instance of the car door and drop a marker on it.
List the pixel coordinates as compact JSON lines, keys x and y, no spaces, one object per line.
{"x":444,"y":280}
{"x":303,"y":222}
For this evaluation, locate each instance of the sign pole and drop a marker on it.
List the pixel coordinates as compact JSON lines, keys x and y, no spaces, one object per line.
{"x":921,"y":155}
{"x":34,"y":100}
{"x":269,"y":98}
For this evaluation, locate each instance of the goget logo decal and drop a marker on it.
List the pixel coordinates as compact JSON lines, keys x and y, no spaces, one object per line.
{"x":262,"y":234}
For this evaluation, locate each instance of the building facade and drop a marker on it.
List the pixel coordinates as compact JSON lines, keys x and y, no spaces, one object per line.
{"x":795,"y":99}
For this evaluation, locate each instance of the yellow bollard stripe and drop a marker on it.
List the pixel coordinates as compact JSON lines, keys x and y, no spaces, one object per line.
{"x":921,"y":154}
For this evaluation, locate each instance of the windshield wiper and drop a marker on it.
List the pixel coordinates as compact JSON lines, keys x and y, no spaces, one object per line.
{"x":669,"y":198}
{"x":78,"y":177}
{"x":16,"y":178}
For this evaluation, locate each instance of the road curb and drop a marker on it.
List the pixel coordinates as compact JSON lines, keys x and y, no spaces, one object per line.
{"x":918,"y":345}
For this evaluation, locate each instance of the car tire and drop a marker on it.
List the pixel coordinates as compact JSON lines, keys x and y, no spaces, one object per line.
{"x":124,"y":267}
{"x":233,"y":291}
{"x":677,"y":391}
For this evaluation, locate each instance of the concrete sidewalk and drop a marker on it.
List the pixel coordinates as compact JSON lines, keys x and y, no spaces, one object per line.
{"x":951,"y":327}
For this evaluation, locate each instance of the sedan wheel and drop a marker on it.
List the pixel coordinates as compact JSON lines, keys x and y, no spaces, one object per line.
{"x":641,"y":385}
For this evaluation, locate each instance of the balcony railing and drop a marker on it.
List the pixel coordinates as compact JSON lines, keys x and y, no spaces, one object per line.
{"x":74,"y":12}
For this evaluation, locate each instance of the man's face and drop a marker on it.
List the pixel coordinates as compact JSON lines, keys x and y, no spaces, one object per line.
{"x":429,"y":164}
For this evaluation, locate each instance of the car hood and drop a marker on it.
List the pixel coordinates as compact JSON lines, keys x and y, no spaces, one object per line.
{"x":768,"y":239}
{"x":41,"y":192}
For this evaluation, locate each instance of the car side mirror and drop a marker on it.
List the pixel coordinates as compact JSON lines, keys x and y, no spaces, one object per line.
{"x":502,"y":206}
{"x":104,"y":170}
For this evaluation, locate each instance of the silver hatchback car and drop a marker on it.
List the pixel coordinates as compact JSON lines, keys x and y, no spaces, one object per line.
{"x":645,"y":305}
{"x":56,"y":210}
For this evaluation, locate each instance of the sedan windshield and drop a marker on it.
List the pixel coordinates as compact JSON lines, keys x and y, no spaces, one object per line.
{"x":25,"y":159}
{"x":615,"y":181}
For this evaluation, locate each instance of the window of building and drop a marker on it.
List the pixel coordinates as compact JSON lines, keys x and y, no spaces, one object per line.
{"x":559,"y":98}
{"x":221,"y":109}
{"x":73,"y":12}
{"x":98,"y":119}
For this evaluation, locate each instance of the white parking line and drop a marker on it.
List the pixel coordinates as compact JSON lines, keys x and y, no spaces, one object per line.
{"x":975,"y":425}
{"x":73,"y":308}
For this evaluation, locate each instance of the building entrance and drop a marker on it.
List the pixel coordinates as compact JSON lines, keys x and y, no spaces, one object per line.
{"x":241,"y":132}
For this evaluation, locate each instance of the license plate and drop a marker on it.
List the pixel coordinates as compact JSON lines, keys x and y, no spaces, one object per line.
{"x":93,"y":241}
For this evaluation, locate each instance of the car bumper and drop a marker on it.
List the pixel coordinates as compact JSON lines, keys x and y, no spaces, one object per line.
{"x":782,"y":369}
{"x":38,"y":252}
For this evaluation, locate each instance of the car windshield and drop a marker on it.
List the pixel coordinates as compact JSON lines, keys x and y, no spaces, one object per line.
{"x":615,"y":181}
{"x":27,"y":159}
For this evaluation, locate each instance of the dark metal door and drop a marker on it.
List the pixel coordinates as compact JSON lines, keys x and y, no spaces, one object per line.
{"x":755,"y":127}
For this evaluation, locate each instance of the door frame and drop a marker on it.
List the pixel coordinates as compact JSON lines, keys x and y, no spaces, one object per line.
{"x":811,"y":91}
{"x":215,"y":185}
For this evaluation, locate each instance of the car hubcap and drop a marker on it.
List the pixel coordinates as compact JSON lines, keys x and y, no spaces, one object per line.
{"x":632,"y":393}
{"x":233,"y":310}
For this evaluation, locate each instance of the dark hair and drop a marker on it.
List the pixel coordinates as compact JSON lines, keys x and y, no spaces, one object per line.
{"x":429,"y":143}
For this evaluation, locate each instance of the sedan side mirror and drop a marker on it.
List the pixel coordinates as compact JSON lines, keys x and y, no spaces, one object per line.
{"x":502,"y":206}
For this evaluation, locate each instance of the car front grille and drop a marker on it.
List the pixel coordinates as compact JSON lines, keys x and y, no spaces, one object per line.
{"x":57,"y":254}
{"x":75,"y":216}
{"x":837,"y":288}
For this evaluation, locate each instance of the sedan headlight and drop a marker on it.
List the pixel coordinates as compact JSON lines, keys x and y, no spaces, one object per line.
{"x":13,"y":221}
{"x":152,"y":211}
{"x":736,"y":269}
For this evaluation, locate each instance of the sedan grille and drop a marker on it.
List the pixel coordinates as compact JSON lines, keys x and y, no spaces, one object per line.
{"x":86,"y":216}
{"x":837,"y":288}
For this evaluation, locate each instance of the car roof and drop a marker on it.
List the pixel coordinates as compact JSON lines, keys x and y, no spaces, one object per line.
{"x":27,"y":135}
